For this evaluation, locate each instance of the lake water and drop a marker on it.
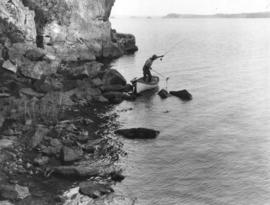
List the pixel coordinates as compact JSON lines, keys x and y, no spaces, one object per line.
{"x":214,"y":149}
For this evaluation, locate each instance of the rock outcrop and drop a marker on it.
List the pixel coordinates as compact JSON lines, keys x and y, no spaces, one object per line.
{"x":73,"y":30}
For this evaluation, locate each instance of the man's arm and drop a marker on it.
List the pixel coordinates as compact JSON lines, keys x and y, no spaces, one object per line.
{"x":159,"y":57}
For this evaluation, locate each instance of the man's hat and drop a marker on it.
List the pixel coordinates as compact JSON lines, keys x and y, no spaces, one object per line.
{"x":154,"y":56}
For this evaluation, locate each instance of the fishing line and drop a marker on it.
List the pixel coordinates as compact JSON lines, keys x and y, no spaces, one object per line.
{"x":173,"y":47}
{"x":166,"y":78}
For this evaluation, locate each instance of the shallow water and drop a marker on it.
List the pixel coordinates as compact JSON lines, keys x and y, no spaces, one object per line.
{"x":216,"y":148}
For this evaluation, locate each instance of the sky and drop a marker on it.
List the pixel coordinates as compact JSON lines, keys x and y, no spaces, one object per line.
{"x":163,"y":7}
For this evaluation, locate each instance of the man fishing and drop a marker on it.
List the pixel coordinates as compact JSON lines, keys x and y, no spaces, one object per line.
{"x":147,"y":76}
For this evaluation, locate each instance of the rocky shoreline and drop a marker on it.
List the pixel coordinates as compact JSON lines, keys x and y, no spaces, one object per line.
{"x":60,"y":135}
{"x":57,"y":142}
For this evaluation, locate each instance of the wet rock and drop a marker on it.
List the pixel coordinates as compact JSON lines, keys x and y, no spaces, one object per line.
{"x":13,"y":192}
{"x":138,"y":133}
{"x":129,"y":97}
{"x":119,"y":88}
{"x":76,"y":171}
{"x":182,"y":94}
{"x":35,"y":54}
{"x":113,"y":77}
{"x":41,"y":160}
{"x":94,"y":190}
{"x":163,"y":94}
{"x":70,"y":154}
{"x":40,"y":133}
{"x":114,"y":96}
{"x":30,"y":93}
{"x":117,"y":176}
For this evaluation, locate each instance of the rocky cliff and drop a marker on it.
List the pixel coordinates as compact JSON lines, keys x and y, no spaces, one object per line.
{"x":71,"y":29}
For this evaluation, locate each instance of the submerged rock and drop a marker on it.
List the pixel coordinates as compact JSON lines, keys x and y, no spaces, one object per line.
{"x":94,"y":190}
{"x":163,"y":94}
{"x":138,"y":133}
{"x":182,"y":94}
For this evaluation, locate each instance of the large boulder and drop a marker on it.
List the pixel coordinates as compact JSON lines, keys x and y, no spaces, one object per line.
{"x":113,"y":77}
{"x":127,"y":42}
{"x":138,"y":133}
{"x":94,"y":190}
{"x":182,"y":94}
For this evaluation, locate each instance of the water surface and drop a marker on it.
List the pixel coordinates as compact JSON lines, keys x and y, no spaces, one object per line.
{"x":216,"y":148}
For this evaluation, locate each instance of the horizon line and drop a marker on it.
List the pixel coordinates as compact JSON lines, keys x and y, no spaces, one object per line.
{"x":202,"y":14}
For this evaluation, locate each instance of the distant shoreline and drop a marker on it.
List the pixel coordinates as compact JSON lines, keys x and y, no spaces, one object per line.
{"x":221,"y":15}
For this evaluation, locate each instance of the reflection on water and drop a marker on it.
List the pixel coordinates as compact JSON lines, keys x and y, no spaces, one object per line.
{"x":216,"y":148}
